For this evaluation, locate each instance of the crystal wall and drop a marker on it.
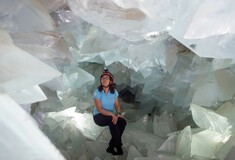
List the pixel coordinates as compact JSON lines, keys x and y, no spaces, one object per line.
{"x":173,"y":64}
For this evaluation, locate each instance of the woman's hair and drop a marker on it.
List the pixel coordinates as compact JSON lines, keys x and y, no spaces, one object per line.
{"x":111,"y":85}
{"x":111,"y":88}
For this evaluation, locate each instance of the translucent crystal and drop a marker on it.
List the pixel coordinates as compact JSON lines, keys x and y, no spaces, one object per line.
{"x":20,"y":136}
{"x":133,"y":153}
{"x":183,"y":145}
{"x":163,"y":125}
{"x":205,"y":143}
{"x":24,"y":12}
{"x":208,"y":119}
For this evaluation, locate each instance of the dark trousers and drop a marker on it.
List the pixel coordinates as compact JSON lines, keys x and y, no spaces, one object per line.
{"x":116,"y":130}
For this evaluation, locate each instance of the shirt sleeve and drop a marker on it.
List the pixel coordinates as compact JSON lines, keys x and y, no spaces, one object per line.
{"x":96,"y":94}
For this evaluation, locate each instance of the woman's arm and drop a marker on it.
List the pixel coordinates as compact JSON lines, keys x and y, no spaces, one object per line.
{"x":100,"y":109}
{"x":117,"y":106}
{"x":104,"y":112}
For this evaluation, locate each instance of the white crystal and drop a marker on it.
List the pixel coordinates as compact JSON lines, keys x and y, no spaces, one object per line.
{"x":15,"y":17}
{"x":208,"y":119}
{"x":20,"y":137}
{"x":133,"y":153}
{"x":27,"y":73}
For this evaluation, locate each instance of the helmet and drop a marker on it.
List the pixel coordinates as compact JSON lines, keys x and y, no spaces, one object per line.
{"x":106,"y":72}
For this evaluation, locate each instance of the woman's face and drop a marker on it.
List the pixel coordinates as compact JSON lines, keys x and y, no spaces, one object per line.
{"x":105,"y":80}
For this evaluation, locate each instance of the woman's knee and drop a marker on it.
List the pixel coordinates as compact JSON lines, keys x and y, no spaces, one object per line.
{"x":102,"y":120}
{"x":122,"y":121}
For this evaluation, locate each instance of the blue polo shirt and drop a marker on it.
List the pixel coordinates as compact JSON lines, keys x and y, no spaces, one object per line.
{"x":107,"y":100}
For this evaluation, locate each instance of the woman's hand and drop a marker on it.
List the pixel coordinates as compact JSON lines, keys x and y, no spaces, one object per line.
{"x":119,"y":115}
{"x":115,"y":119}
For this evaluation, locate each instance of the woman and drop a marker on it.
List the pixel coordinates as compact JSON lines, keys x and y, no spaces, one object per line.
{"x":106,"y":98}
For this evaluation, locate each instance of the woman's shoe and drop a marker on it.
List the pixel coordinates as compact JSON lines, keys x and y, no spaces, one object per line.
{"x":119,"y":151}
{"x":111,"y":150}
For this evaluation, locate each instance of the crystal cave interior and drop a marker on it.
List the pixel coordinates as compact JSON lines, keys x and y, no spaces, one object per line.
{"x":174,"y":68}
